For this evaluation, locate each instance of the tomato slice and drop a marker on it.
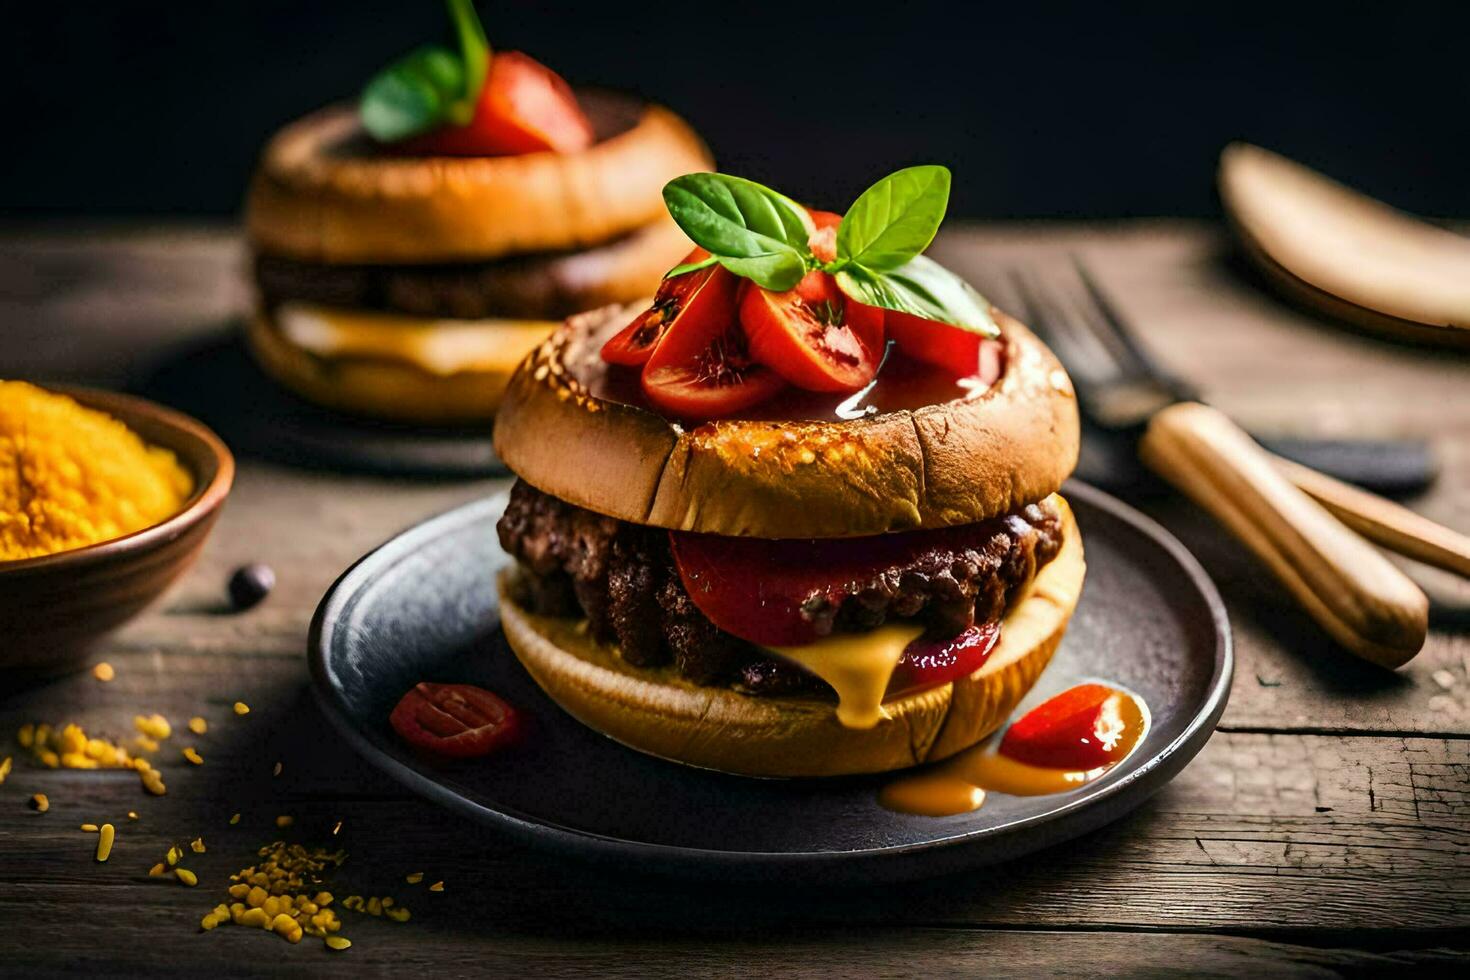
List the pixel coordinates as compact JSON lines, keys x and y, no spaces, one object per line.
{"x":454,"y":721}
{"x":1086,"y":727}
{"x":702,"y":368}
{"x":813,"y":336}
{"x":524,"y":107}
{"x":634,"y":344}
{"x":961,"y":352}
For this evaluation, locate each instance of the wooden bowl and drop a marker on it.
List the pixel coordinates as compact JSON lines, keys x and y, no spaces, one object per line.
{"x":53,"y":608}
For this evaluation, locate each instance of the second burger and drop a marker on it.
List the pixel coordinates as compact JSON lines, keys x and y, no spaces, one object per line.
{"x":409,"y":251}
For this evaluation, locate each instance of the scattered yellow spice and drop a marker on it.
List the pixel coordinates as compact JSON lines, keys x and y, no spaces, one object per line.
{"x":276,"y":770}
{"x":234,"y":819}
{"x":338,"y":942}
{"x":104,"y":841}
{"x":153,"y":726}
{"x":40,"y":803}
{"x":186,"y":876}
{"x":241,"y":708}
{"x":284,"y":821}
{"x":269,"y":895}
{"x":90,"y":828}
{"x":26,"y":736}
{"x":72,"y":476}
{"x":415,"y":878}
{"x":132,"y":814}
{"x":437,"y":886}
{"x":198,"y":725}
{"x":157,"y":871}
{"x":197,"y":845}
{"x":192,"y":754}
{"x":5,"y":765}
{"x":104,"y":672}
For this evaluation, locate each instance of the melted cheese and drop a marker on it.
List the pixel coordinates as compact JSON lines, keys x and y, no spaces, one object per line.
{"x":959,"y":784}
{"x":858,"y":666}
{"x":438,"y":346}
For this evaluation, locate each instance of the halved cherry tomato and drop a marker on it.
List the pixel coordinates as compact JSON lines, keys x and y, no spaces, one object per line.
{"x":455,"y":721}
{"x":964,"y":353}
{"x":524,"y":107}
{"x":813,"y":336}
{"x":633,"y":344}
{"x":1085,"y":727}
{"x":702,"y":368}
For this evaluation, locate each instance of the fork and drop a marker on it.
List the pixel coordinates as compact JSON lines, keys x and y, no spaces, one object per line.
{"x":1351,"y":590}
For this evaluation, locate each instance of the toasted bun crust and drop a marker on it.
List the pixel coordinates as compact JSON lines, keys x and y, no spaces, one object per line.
{"x":658,"y":712}
{"x":324,"y":193}
{"x":953,"y":463}
{"x":376,"y":388}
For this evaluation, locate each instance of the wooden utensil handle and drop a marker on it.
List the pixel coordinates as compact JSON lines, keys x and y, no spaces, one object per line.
{"x":1352,"y":591}
{"x":1383,"y":521}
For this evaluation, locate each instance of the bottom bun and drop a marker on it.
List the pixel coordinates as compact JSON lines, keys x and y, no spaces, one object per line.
{"x":383,"y":379}
{"x":658,"y":712}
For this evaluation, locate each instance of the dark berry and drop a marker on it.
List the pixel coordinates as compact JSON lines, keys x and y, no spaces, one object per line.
{"x":250,"y":584}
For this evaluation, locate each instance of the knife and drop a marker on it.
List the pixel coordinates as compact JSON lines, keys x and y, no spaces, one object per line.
{"x":1129,"y":406}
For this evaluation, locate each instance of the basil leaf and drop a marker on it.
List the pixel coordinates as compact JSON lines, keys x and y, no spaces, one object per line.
{"x":752,"y":230}
{"x":923,"y":288}
{"x":474,"y":53}
{"x":684,"y":267}
{"x":430,"y":86}
{"x":895,"y":219}
{"x":777,"y":272}
{"x":412,"y":95}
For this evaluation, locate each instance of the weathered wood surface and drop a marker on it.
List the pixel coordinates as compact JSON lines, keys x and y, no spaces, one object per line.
{"x":1325,"y":829}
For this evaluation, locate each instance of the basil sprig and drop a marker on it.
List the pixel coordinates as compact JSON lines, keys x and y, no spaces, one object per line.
{"x":430,"y":86}
{"x":749,"y":229}
{"x":764,"y":236}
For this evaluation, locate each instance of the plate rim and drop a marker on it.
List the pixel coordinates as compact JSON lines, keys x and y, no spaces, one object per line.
{"x":1077,"y":817}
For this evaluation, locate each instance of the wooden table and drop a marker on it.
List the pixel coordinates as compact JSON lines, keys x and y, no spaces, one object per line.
{"x":1325,"y":827}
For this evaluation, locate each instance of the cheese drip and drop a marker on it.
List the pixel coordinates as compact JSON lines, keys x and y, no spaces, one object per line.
{"x":438,"y":346}
{"x":858,"y":666}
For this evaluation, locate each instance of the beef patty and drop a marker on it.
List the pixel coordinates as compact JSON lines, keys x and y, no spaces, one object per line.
{"x":544,"y":286}
{"x":622,"y":577}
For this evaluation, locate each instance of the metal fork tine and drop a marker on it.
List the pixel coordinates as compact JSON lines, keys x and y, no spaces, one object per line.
{"x":1110,"y":326}
{"x":1078,"y":346}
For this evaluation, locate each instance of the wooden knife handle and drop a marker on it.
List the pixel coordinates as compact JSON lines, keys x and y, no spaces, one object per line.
{"x":1381,"y":520}
{"x":1352,"y":591}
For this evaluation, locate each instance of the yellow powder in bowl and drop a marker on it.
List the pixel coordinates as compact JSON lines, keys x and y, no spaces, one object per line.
{"x":71,"y":476}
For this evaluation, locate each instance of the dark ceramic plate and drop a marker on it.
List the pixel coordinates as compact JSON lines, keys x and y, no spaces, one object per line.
{"x":219,"y":382}
{"x":422,"y":607}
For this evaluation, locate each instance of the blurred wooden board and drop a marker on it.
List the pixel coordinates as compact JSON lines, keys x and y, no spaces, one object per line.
{"x":1325,"y":828}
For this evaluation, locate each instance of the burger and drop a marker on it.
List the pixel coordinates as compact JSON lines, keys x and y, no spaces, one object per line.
{"x":798,"y":516}
{"x":410,"y":250}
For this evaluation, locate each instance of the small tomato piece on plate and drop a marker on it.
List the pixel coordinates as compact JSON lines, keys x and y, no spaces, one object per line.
{"x":454,"y":721}
{"x":1085,"y":727}
{"x":524,"y":107}
{"x":702,"y":369}
{"x":813,"y":335}
{"x":693,"y":291}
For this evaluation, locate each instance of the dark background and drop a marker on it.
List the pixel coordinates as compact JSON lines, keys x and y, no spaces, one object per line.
{"x":143,"y":107}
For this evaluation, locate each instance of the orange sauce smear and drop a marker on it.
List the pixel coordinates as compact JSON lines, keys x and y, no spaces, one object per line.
{"x":960,"y":784}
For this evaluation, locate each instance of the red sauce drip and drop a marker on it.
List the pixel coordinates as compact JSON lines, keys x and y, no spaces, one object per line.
{"x":929,"y":663}
{"x":1086,"y":727}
